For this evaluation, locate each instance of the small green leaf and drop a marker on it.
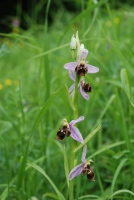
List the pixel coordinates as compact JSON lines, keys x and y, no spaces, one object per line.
{"x":126,"y":85}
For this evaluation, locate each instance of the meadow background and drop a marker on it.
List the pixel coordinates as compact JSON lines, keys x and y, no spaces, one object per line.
{"x":34,"y":101}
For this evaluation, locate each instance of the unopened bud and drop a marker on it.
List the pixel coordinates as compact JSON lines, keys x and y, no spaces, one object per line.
{"x":73,"y":43}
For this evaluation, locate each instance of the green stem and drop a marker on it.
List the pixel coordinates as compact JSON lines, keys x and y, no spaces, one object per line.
{"x":76,"y":97}
{"x":73,"y":142}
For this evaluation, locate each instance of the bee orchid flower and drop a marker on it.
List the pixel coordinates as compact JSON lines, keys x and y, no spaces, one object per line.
{"x":81,"y":67}
{"x":83,"y":168}
{"x":69,"y":129}
{"x":83,"y":87}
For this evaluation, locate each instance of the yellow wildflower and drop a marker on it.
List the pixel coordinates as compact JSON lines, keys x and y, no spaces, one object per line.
{"x":8,"y":82}
{"x":116,"y":20}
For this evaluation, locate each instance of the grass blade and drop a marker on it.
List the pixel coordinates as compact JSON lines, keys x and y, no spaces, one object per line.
{"x":88,"y":138}
{"x":50,"y":195}
{"x":43,"y":110}
{"x":36,"y":123}
{"x":105,"y":148}
{"x":39,"y":169}
{"x":121,"y":191}
{"x":126,"y":85}
{"x":22,"y":168}
{"x":106,"y":107}
{"x":83,"y":14}
{"x":117,"y":172}
{"x":66,"y":164}
{"x":89,"y":197}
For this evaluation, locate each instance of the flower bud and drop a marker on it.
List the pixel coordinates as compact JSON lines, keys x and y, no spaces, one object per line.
{"x":73,"y":46}
{"x":73,"y":43}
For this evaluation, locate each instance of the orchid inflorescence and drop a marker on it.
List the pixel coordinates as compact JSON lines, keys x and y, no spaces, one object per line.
{"x":78,"y":70}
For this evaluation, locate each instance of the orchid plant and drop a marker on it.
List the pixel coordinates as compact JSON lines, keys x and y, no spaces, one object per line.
{"x":77,"y":72}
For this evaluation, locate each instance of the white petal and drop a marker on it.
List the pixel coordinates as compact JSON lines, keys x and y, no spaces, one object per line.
{"x":73,"y":42}
{"x":72,"y":75}
{"x":75,"y":134}
{"x":92,"y":69}
{"x":70,"y":66}
{"x":83,"y":158}
{"x":83,"y":54}
{"x":76,"y":120}
{"x":71,"y":89}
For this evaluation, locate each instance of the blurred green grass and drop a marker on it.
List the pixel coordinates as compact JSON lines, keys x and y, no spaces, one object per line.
{"x":31,"y":67}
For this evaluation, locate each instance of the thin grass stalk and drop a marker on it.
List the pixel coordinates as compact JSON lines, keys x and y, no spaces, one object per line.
{"x":126,"y":136}
{"x":46,"y":71}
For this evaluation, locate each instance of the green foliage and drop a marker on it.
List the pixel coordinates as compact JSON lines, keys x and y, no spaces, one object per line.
{"x":34,"y":101}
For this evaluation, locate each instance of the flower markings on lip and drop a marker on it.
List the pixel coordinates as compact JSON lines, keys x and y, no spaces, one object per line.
{"x":83,"y":168}
{"x":83,"y":87}
{"x":86,"y":87}
{"x":69,"y":129}
{"x":81,"y":67}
